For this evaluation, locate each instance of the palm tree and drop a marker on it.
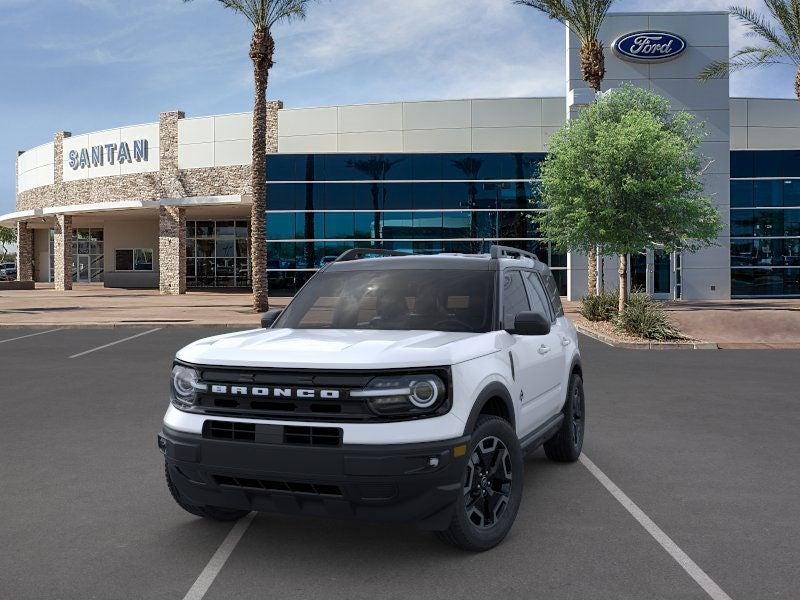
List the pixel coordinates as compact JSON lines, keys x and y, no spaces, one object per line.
{"x":263,"y":15}
{"x":780,"y":41}
{"x":376,"y":168}
{"x":584,"y":19}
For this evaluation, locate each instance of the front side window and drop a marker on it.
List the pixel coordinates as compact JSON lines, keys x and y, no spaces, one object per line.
{"x":407,"y":299}
{"x":515,"y":298}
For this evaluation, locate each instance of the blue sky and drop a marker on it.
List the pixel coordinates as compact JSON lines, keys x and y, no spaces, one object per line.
{"x":84,"y":65}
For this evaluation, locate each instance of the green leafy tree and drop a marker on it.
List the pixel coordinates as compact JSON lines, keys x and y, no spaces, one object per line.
{"x":584,"y":19}
{"x":263,"y":15}
{"x":778,"y":40}
{"x":8,"y":236}
{"x":626,"y":174}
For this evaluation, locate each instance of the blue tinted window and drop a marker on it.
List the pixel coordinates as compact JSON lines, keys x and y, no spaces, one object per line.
{"x":455,"y":195}
{"x":339,"y":196}
{"x":768,"y":193}
{"x":397,"y":196}
{"x":742,"y":164}
{"x":282,"y":196}
{"x":791,"y":192}
{"x":367,"y":225}
{"x":427,"y":224}
{"x":742,"y":223}
{"x":456,"y":225}
{"x":765,"y":282}
{"x":398,"y":225}
{"x":768,"y":163}
{"x":281,"y":167}
{"x":426,"y":166}
{"x":339,"y":225}
{"x":367,"y":196}
{"x":426,"y":195}
{"x":741,"y":194}
{"x":280,"y":226}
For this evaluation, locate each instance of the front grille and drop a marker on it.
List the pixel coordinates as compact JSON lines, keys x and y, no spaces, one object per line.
{"x":272,"y":434}
{"x":230,"y":430}
{"x":295,"y":395}
{"x":312,"y":436}
{"x":316,"y":489}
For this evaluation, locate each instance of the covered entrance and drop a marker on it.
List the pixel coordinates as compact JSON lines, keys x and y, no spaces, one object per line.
{"x":656,"y":273}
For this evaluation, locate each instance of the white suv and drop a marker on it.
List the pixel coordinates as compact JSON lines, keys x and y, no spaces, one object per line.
{"x":397,"y":388}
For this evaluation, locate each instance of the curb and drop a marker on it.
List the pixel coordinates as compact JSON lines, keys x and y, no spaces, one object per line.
{"x":645,"y":345}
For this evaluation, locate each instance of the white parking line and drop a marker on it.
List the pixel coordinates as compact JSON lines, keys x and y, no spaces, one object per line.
{"x":214,"y":566}
{"x":115,"y":343}
{"x":688,"y":565}
{"x":22,"y":337}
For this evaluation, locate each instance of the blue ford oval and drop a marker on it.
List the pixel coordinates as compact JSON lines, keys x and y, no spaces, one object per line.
{"x":649,"y":46}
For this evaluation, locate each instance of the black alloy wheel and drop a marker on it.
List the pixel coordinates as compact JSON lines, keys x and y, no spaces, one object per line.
{"x":487,"y":484}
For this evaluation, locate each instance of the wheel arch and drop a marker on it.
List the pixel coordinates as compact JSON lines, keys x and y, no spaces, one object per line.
{"x":494,"y":399}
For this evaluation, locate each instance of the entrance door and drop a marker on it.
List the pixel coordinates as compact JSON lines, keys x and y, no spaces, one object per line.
{"x":651,"y":272}
{"x":83,"y":268}
{"x":662,"y":271}
{"x":638,"y":270}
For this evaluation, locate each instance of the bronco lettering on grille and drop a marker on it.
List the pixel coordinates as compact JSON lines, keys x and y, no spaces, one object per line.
{"x":275,"y":392}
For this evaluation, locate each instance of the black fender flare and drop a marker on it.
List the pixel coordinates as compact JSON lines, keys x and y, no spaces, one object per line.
{"x":492,"y":390}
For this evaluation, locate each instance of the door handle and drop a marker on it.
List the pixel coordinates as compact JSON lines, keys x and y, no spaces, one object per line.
{"x":565,"y":341}
{"x":544,"y":349}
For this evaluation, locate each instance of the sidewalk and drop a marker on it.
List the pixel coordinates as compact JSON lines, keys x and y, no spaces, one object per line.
{"x":735,"y":324}
{"x":90,"y":305}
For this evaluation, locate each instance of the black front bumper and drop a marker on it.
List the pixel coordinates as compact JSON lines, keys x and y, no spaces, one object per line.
{"x":398,"y":483}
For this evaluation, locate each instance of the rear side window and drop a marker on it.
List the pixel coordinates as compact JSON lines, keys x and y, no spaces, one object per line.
{"x":539,"y":301}
{"x":515,"y":298}
{"x":552,"y":290}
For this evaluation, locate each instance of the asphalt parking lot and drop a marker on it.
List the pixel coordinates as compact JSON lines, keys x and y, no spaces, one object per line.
{"x":703,"y":442}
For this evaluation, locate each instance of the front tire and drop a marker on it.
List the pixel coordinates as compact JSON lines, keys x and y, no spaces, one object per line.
{"x":567,"y":443}
{"x":491,"y":486}
{"x":207,"y":512}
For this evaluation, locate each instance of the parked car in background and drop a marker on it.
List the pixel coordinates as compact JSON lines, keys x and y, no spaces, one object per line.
{"x":8,"y":271}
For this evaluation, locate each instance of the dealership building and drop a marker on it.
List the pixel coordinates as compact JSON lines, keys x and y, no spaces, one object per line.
{"x":167,"y":204}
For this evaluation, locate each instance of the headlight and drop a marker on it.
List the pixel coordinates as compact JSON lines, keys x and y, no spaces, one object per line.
{"x":413,"y":394}
{"x":185,"y":385}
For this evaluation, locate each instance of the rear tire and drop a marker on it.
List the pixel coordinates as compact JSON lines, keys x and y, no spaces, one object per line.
{"x":492,"y":488}
{"x":207,"y":512}
{"x":567,"y":443}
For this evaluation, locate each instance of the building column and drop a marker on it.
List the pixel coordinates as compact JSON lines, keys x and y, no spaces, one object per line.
{"x":24,"y":252}
{"x":62,"y":251}
{"x":171,"y":250}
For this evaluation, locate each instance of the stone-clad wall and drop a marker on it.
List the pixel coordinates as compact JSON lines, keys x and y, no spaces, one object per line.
{"x":169,"y":182}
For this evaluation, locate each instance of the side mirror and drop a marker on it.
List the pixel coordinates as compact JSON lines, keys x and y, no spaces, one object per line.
{"x":531,"y":323}
{"x":269,"y":317}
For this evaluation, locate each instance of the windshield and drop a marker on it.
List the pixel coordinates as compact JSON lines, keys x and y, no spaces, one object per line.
{"x":438,"y":300}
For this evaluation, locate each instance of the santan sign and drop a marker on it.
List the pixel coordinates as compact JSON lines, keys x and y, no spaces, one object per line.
{"x":97,"y":156}
{"x":649,"y":46}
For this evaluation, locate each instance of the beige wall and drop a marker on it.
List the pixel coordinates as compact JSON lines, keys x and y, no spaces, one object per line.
{"x":134,"y":233}
{"x":765,"y":124}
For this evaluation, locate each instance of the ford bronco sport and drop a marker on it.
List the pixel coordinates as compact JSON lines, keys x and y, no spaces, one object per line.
{"x":391,"y":388}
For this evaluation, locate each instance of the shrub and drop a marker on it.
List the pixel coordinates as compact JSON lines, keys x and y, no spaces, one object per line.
{"x":601,"y":307}
{"x":646,"y":318}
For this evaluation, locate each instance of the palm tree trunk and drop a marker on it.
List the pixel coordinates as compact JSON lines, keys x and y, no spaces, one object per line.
{"x":593,"y":70}
{"x":261,"y":51}
{"x":623,"y":282}
{"x":593,"y":67}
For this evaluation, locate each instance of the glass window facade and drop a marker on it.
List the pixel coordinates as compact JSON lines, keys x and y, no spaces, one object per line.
{"x":765,"y":223}
{"x":217,"y":254}
{"x":88,"y":262}
{"x":319,"y":205}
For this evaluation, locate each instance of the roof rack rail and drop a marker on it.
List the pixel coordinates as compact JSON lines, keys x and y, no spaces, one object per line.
{"x":359,"y":253}
{"x":497,"y":252}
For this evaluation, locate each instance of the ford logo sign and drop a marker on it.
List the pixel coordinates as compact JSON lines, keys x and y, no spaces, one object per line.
{"x":649,"y":46}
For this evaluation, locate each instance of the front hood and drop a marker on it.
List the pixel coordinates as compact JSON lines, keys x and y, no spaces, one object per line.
{"x":338,"y":348}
